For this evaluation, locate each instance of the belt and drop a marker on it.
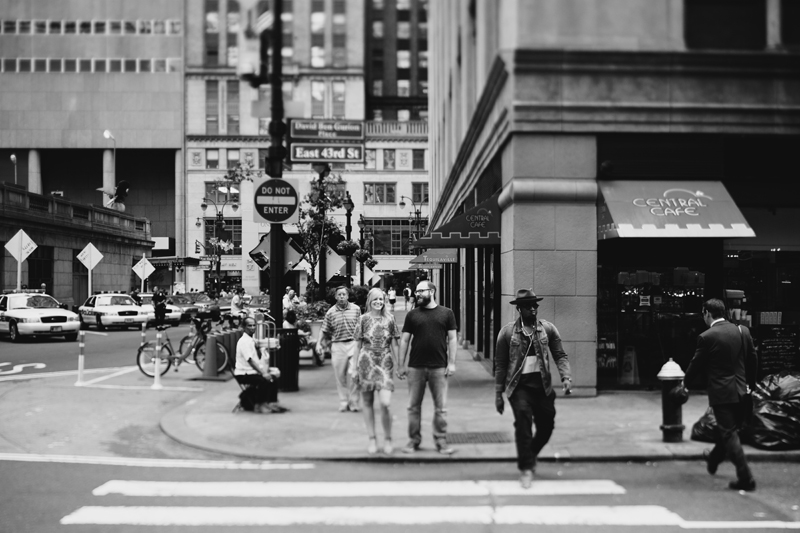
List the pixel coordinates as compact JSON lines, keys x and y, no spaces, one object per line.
{"x":344,"y":340}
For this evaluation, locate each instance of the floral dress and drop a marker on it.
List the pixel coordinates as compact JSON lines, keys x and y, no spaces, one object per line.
{"x":374,"y":365}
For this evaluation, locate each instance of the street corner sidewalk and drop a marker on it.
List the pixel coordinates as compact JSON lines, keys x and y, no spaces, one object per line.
{"x":114,"y":413}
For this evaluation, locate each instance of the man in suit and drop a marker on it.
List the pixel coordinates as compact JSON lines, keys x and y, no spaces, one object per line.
{"x":726,"y":354}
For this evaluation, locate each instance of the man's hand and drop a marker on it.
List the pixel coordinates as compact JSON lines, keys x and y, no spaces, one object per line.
{"x":402,"y":371}
{"x":450,"y":370}
{"x":567,"y":387}
{"x":499,"y":404}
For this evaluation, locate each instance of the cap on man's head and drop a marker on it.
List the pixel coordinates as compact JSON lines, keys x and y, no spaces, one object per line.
{"x":525,"y":296}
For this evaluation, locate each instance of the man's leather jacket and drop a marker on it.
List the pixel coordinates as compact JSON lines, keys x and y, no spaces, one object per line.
{"x":512,"y":346}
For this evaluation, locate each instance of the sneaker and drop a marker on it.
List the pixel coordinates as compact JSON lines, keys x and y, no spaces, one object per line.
{"x":525,"y":478}
{"x":411,"y":447}
{"x":748,"y":486}
{"x":444,"y":449}
{"x":342,"y":407}
{"x":354,"y":408}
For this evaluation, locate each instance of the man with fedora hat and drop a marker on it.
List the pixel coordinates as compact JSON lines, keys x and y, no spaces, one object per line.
{"x":522,"y":371}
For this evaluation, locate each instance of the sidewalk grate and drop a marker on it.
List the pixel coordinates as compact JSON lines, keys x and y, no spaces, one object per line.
{"x":475,"y":437}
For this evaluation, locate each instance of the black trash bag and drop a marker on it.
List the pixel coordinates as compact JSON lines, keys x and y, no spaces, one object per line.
{"x":775,"y":424}
{"x":705,"y":429}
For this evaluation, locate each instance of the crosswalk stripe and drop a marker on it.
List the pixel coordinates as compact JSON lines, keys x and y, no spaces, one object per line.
{"x":153,"y":463}
{"x":355,"y":489}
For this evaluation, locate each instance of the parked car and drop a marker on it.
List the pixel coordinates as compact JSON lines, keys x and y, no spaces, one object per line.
{"x":111,"y":309}
{"x":206,"y":306}
{"x":173,"y":315}
{"x":28,"y":314}
{"x":185,"y":304}
{"x":224,"y":304}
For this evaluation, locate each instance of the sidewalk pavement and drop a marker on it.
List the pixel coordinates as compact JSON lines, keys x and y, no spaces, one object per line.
{"x":609,"y":427}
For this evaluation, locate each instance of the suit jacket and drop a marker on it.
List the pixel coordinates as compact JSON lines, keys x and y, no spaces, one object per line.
{"x":729,"y":360}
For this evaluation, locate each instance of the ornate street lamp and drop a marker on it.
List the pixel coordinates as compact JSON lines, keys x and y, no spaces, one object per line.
{"x":220,"y":221}
{"x":348,"y":207}
{"x":415,"y":218}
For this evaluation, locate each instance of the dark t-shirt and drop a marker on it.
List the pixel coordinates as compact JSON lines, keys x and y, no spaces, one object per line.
{"x":429,"y":328}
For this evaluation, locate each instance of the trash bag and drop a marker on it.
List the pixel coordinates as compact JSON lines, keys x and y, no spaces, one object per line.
{"x":705,"y":429}
{"x":775,"y":424}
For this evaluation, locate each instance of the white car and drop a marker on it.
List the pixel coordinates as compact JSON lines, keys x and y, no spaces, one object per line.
{"x":111,"y":309}
{"x":174,"y":313}
{"x":26,"y":314}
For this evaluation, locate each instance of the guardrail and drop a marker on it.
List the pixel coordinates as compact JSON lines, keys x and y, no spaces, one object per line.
{"x":417,"y":128}
{"x":19,"y":203}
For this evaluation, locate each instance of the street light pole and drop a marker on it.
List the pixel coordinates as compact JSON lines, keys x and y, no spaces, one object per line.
{"x":348,"y":207}
{"x":220,"y":211}
{"x":322,"y":169}
{"x":14,"y":161}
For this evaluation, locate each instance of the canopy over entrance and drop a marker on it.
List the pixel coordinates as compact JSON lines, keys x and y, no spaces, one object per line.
{"x":479,"y":226}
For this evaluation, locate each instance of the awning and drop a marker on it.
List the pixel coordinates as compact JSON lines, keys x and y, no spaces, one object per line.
{"x":174,"y":261}
{"x":668,"y":209}
{"x":440,"y":255}
{"x":479,"y":226}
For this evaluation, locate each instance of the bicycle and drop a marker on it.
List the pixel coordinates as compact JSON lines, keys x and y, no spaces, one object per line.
{"x":191,"y":345}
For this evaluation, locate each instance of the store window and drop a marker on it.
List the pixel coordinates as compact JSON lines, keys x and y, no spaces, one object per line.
{"x":212,"y":158}
{"x":419,"y":193}
{"x":379,"y":193}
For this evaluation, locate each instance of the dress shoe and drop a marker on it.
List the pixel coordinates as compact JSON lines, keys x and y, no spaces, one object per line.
{"x":748,"y":486}
{"x":711,"y":465}
{"x":526,"y":478}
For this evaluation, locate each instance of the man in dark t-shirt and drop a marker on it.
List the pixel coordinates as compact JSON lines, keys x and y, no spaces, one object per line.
{"x":432,"y":360}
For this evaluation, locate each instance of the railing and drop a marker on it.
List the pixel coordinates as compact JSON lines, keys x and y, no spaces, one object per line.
{"x":19,"y":204}
{"x":417,"y":128}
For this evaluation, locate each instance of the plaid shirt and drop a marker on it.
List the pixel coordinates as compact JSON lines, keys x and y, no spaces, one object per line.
{"x":339,"y":324}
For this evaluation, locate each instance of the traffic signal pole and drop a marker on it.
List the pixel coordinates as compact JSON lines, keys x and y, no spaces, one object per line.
{"x":276,"y":151}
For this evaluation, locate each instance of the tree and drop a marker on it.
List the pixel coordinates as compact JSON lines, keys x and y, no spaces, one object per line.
{"x":315,"y":226}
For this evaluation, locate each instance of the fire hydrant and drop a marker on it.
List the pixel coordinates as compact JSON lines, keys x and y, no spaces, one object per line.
{"x":673,"y":396}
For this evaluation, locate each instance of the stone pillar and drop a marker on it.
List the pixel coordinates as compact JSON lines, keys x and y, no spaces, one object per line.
{"x":34,"y":172}
{"x":549,"y":240}
{"x":181,"y":232}
{"x":109,"y":174}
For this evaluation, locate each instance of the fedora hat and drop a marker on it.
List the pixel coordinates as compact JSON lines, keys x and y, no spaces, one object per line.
{"x":525,"y":296}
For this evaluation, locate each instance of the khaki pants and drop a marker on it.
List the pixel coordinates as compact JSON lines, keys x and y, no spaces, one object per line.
{"x":341,"y":353}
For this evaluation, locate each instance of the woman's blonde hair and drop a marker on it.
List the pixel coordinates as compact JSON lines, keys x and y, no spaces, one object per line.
{"x":374,"y":293}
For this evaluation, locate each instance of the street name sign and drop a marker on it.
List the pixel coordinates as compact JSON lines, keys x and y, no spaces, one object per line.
{"x":21,"y":246}
{"x":144,"y":268}
{"x":327,"y":129}
{"x":339,"y":153}
{"x":276,"y":200}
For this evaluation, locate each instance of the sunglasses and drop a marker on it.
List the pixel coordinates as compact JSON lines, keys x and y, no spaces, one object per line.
{"x":528,"y":307}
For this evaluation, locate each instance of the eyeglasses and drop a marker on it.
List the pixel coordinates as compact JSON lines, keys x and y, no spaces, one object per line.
{"x":528,"y":307}
{"x":421,"y":291}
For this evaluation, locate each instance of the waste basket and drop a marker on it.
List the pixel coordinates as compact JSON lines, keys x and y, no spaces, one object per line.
{"x":287,"y":359}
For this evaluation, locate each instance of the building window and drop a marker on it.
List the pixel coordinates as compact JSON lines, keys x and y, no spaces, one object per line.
{"x":40,"y":26}
{"x":403,"y":5}
{"x":213,"y":192}
{"x":419,"y":192}
{"x":390,"y":237}
{"x":145,"y":65}
{"x":230,"y":230}
{"x":85,"y":65}
{"x":212,"y":107}
{"x":114,"y":27}
{"x":145,"y":27}
{"x":287,"y":17}
{"x":377,"y":87}
{"x":403,"y":115}
{"x":99,"y":27}
{"x":99,"y":65}
{"x":212,"y":158}
{"x":85,"y":27}
{"x":54,"y":65}
{"x":55,"y":27}
{"x":379,"y":193}
{"x":318,"y":99}
{"x":377,"y":29}
{"x":377,"y":115}
{"x":317,"y":33}
{"x":159,"y":65}
{"x":40,"y":65}
{"x":174,"y":27}
{"x":403,"y":87}
{"x":10,"y":26}
{"x":129,"y":27}
{"x":418,"y":159}
{"x":159,"y":27}
{"x":233,"y":29}
{"x":115,"y":65}
{"x":233,"y":157}
{"x":369,"y":159}
{"x":130,"y":65}
{"x":71,"y":65}
{"x":388,"y":159}
{"x":212,"y":32}
{"x":233,"y":107}
{"x":403,"y":30}
{"x":403,"y":59}
{"x":339,"y":34}
{"x":725,"y":25}
{"x":70,"y":27}
{"x":338,"y":99}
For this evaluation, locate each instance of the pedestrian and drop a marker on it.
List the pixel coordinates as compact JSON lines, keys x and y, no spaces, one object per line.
{"x":376,"y":337}
{"x":261,"y":394}
{"x":135,"y":296}
{"x":431,"y":361}
{"x":407,"y":295}
{"x":159,"y":306}
{"x":522,"y":371}
{"x":725,"y":353}
{"x":392,"y":298}
{"x":336,"y":335}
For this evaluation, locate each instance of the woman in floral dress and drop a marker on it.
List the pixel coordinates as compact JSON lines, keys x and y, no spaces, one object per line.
{"x":376,"y":337}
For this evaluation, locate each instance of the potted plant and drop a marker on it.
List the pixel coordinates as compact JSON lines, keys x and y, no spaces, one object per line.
{"x":347,"y":247}
{"x":313,"y":313}
{"x":362,"y":255}
{"x":371,"y":263}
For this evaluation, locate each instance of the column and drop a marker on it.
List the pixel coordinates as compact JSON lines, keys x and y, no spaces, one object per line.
{"x":180,"y":209}
{"x":549,"y":240}
{"x":34,"y":172}
{"x":109,"y":174}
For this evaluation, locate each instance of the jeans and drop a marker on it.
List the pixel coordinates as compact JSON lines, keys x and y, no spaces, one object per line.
{"x":532,"y":406}
{"x":437,"y":382}
{"x":730,"y":417}
{"x":341,"y":352}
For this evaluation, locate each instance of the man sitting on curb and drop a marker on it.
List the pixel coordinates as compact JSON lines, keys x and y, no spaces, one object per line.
{"x":261,"y":395}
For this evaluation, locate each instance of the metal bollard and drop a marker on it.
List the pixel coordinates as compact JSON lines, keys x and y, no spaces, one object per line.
{"x":210,"y":368}
{"x":157,"y":378}
{"x":671,"y":377}
{"x":144,"y":333}
{"x":81,"y":346}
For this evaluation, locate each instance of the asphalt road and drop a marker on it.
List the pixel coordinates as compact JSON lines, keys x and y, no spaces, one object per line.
{"x":107,"y":349}
{"x":301,"y":497}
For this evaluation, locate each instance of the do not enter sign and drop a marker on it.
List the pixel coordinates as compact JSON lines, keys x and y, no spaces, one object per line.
{"x":276,"y":201}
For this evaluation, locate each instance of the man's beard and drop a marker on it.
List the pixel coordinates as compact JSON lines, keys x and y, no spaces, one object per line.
{"x":423,"y":300}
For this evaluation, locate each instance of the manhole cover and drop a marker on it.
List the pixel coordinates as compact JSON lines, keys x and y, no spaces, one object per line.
{"x":476,"y":437}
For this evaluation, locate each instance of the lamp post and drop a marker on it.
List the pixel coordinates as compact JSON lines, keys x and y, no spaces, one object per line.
{"x":365,"y":234}
{"x":322,"y":169}
{"x":220,"y":212}
{"x":14,"y":162}
{"x":348,"y":207}
{"x":416,"y":216}
{"x":108,"y":135}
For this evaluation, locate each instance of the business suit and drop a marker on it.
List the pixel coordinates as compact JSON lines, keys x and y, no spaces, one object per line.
{"x":728,"y":358}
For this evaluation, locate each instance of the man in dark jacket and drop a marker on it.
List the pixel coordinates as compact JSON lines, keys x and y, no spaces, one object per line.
{"x":726,"y":354}
{"x":522,"y":371}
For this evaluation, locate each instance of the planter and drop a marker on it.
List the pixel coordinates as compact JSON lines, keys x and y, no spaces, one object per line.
{"x":316,"y":328}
